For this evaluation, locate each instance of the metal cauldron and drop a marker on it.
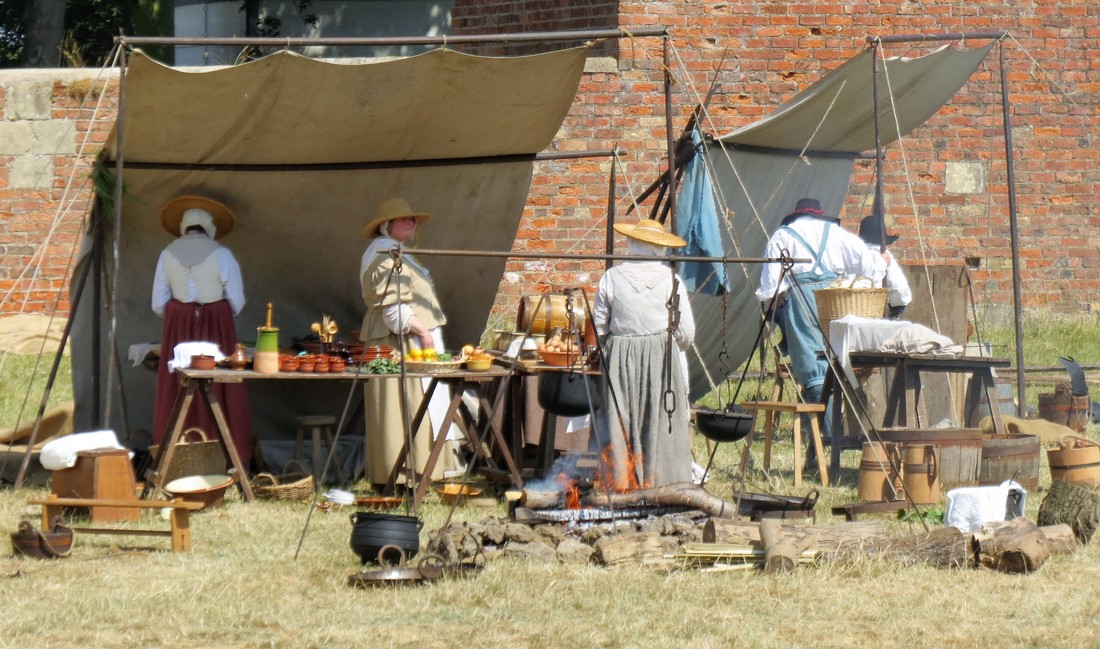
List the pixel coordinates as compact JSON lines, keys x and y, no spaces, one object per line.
{"x":729,"y":425}
{"x":569,"y":394}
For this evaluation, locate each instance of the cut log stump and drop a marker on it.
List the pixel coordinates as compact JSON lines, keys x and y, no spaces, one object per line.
{"x":1073,"y":505}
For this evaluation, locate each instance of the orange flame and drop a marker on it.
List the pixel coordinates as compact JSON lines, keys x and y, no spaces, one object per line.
{"x":570,"y":490}
{"x":607,"y":476}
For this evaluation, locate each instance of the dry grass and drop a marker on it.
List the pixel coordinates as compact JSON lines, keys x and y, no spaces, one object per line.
{"x":242,"y":587}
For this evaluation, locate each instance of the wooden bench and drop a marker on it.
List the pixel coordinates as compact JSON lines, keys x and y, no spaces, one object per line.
{"x":179,"y":521}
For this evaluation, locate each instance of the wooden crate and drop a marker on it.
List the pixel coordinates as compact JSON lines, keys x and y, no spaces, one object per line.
{"x":104,"y":474}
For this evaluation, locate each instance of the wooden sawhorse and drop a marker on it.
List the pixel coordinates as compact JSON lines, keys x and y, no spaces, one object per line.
{"x":180,"y":525}
{"x":771,"y":410}
{"x":458,"y":383}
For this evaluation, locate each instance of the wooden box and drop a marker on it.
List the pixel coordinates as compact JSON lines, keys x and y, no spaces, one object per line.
{"x":104,"y":474}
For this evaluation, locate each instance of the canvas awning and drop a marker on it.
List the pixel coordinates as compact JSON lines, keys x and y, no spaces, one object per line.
{"x":806,"y":148}
{"x":304,"y":151}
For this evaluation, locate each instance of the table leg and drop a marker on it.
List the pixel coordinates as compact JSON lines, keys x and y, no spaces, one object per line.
{"x":421,"y":410}
{"x":498,"y":435}
{"x":154,"y":477}
{"x":769,"y":432}
{"x":227,"y":439}
{"x":797,"y":450}
{"x":832,"y":392}
{"x":438,"y":444}
{"x":984,"y":377}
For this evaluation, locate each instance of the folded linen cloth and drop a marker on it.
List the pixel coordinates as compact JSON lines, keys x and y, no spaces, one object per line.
{"x":968,"y":508}
{"x":183,"y":352}
{"x":61,"y":453}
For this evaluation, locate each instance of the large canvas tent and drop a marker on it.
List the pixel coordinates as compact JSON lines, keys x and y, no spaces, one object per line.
{"x":806,"y":147}
{"x":304,"y":151}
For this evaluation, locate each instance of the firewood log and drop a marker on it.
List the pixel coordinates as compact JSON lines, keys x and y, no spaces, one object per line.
{"x":683,"y":494}
{"x":1015,"y":547}
{"x":830,"y":537}
{"x":783,"y":545}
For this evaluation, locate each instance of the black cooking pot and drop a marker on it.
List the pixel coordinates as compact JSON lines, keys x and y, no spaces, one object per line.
{"x":728,"y":425}
{"x":567,"y":394}
{"x":372,"y":531}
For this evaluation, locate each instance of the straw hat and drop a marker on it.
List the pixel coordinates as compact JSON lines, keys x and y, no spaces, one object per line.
{"x":172,"y":213}
{"x":394,"y":208}
{"x":650,"y":231}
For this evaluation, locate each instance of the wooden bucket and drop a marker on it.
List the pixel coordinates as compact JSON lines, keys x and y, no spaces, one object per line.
{"x":545,"y":313}
{"x":875,"y":473}
{"x":958,"y":451}
{"x":921,"y":475}
{"x":1076,"y":460}
{"x":1010,"y":457}
{"x":1062,"y":407}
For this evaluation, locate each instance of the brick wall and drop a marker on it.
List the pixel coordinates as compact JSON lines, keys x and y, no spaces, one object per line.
{"x":953,"y":166}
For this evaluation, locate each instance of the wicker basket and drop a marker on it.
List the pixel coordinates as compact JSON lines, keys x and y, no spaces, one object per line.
{"x":835,"y":303}
{"x":204,"y":457}
{"x":433,"y":367}
{"x":291,"y":486}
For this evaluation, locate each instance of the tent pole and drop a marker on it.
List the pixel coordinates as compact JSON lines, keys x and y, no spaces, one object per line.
{"x":1014,"y":232}
{"x":669,"y":140}
{"x":96,"y":264}
{"x":878,"y":211}
{"x":609,"y":245}
{"x":112,"y":332}
{"x":81,"y":282}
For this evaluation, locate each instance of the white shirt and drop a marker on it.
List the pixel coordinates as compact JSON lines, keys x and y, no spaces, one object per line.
{"x":228,"y":270}
{"x":900,"y":293}
{"x":844,"y":254}
{"x":631,"y":300}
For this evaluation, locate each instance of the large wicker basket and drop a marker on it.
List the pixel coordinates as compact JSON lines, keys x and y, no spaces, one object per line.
{"x":835,"y":303}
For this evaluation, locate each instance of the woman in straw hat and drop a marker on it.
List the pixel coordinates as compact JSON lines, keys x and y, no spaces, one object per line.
{"x":399,"y":304}
{"x":197,"y":289}
{"x":631,"y":315}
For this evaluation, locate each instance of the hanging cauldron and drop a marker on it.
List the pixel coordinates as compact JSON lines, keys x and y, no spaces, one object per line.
{"x":569,"y":394}
{"x":729,"y":425}
{"x":373,"y":531}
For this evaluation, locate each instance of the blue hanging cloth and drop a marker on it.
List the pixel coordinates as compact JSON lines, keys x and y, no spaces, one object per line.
{"x":697,"y":223}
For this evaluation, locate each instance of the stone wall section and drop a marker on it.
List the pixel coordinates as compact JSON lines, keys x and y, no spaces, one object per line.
{"x":946,"y":187}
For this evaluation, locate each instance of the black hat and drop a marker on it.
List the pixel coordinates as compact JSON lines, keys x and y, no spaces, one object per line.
{"x":870,"y":230}
{"x":808,"y":207}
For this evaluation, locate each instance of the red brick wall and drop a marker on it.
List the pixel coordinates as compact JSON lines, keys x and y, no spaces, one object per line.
{"x":42,"y":227}
{"x":775,"y":49}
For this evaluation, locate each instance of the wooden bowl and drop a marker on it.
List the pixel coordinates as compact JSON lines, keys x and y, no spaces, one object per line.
{"x":479,"y":365}
{"x":449,"y":492}
{"x":206,"y":489}
{"x":560,"y":359}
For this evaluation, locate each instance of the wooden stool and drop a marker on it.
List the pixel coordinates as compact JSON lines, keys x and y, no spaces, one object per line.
{"x":317,"y":426}
{"x":771,"y":409}
{"x":103,"y":474}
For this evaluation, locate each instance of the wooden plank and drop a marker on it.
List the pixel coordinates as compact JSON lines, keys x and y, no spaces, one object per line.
{"x":140,"y":504}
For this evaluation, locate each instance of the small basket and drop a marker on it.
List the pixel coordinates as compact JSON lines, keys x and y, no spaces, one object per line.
{"x":835,"y":303}
{"x":291,"y":486}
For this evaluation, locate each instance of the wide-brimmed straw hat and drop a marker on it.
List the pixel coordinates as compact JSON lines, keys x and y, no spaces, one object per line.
{"x":650,"y":231}
{"x":394,"y":208}
{"x":172,"y":213}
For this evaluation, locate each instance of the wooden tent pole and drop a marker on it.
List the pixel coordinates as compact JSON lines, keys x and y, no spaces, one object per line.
{"x":1014,"y":233}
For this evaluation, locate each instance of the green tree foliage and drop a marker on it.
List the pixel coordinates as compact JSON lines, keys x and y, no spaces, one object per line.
{"x":90,"y":27}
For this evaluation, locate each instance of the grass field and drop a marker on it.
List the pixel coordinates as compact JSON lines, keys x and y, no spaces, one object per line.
{"x":242,"y":586}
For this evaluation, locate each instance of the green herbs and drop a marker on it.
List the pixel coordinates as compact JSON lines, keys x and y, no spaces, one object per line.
{"x":380,"y":366}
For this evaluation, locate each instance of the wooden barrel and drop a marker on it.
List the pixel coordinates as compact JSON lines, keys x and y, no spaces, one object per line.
{"x":920,"y":474}
{"x":1076,"y":460}
{"x":958,"y":451}
{"x":1010,"y":457}
{"x":875,"y":472}
{"x":1062,"y":407}
{"x":547,"y":312}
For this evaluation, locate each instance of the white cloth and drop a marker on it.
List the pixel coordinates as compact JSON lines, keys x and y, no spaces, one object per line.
{"x":968,"y":508}
{"x":900,"y":293}
{"x":229,"y":274}
{"x":138,"y":351}
{"x":855,"y":334}
{"x":60,"y":453}
{"x":181,"y":355}
{"x":844,"y":254}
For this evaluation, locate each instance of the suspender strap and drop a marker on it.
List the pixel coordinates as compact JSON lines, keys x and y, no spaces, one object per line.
{"x":818,"y":268}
